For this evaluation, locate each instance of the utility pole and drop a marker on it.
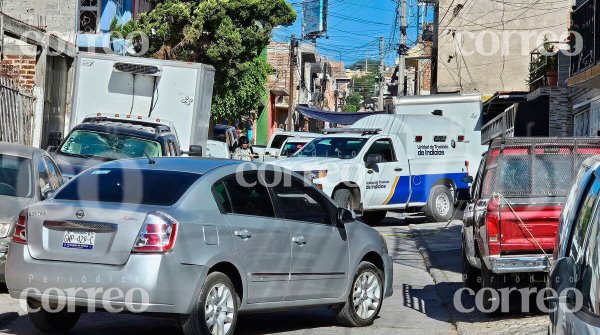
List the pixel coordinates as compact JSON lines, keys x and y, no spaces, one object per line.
{"x":381,"y":73}
{"x":402,"y":47}
{"x":292,"y":85}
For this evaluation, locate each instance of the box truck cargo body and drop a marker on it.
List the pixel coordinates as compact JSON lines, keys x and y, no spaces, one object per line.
{"x":179,"y":92}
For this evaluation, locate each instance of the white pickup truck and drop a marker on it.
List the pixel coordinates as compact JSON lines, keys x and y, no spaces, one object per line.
{"x":389,"y":162}
{"x":272,"y":150}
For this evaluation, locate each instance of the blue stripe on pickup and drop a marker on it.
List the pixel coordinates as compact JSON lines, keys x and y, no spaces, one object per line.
{"x":421,"y":185}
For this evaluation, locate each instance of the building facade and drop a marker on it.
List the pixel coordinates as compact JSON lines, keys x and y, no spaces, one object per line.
{"x":314,"y":85}
{"x":484,"y":46}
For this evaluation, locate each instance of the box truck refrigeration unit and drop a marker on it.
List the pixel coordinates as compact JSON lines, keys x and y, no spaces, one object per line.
{"x":179,"y":92}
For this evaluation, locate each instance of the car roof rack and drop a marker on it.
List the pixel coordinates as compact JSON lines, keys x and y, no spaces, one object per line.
{"x":363,"y":131}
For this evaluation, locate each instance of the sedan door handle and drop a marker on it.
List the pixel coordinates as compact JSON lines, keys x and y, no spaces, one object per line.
{"x":398,"y":169}
{"x":244,"y":234}
{"x":299,"y":240}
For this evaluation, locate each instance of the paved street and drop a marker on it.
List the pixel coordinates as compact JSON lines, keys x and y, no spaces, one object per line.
{"x":424,"y":286}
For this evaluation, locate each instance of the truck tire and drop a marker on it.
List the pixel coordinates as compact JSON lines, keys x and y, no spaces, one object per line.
{"x":203,"y":321}
{"x":343,"y":197}
{"x":440,"y":204}
{"x":490,"y":282}
{"x":471,"y":275}
{"x":373,"y":218}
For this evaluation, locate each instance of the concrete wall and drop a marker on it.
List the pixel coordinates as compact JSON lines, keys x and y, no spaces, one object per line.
{"x":484,"y":46}
{"x":57,"y":16}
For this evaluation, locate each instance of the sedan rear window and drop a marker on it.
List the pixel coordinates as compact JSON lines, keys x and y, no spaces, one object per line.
{"x":15,"y":177}
{"x":132,"y":186}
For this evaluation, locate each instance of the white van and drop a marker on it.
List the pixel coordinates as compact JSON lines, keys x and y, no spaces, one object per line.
{"x":389,"y":162}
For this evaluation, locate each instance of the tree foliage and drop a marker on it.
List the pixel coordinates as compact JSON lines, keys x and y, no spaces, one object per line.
{"x":227,"y":34}
{"x":363,"y":89}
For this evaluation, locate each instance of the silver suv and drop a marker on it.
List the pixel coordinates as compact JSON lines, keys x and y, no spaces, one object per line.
{"x":202,"y":239}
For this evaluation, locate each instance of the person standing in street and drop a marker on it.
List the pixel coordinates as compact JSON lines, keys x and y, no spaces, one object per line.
{"x":243,"y":152}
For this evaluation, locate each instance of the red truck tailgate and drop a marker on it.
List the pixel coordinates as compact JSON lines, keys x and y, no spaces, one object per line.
{"x":517,"y":225}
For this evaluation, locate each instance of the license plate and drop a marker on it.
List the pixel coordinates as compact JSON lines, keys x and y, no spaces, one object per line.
{"x":79,"y":240}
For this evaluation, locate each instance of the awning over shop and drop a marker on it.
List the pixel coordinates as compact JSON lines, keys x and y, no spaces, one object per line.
{"x":343,"y":118}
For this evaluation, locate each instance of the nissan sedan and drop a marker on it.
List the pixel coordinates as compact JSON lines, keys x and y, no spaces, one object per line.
{"x":204,"y":240}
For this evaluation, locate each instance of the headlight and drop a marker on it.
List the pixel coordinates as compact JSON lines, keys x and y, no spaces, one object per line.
{"x":385,"y":247}
{"x":4,"y":229}
{"x":312,"y":175}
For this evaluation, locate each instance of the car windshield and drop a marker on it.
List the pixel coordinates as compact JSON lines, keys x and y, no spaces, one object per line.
{"x":108,"y":146}
{"x":334,"y":147}
{"x":15,"y":177}
{"x":132,"y":186}
{"x":291,"y":148}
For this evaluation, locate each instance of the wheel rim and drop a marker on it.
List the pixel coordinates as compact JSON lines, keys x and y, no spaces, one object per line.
{"x":366,"y":295}
{"x":219,"y":310}
{"x":442,"y":204}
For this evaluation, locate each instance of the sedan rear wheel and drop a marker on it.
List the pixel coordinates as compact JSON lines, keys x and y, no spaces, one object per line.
{"x":366,"y":296}
{"x":53,"y":322}
{"x":216,"y":310}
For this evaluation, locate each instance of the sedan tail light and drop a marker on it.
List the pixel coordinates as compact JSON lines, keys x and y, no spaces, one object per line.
{"x":20,"y":235}
{"x":157,"y":234}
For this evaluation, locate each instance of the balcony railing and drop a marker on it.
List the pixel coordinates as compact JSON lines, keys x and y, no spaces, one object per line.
{"x":585,"y":23}
{"x":543,"y":65}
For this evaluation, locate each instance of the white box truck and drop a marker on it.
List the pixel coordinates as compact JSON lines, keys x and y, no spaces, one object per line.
{"x":179,"y":92}
{"x":464,"y":109}
{"x":128,"y":107}
{"x":389,"y":162}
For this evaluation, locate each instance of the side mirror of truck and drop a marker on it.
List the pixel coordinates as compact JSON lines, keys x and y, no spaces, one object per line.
{"x":467,"y":179}
{"x":374,"y":159}
{"x":195,"y":151}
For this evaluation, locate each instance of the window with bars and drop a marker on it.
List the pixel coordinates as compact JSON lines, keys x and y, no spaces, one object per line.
{"x":89,"y":16}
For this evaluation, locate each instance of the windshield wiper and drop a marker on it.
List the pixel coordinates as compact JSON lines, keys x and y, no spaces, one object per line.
{"x":84,"y":156}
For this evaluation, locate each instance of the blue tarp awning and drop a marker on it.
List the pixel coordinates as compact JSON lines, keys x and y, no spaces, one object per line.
{"x":343,"y":118}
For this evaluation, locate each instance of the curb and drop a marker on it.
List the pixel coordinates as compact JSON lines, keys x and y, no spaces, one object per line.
{"x":438,"y":277}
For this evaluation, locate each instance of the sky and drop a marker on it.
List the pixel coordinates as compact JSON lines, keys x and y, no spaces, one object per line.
{"x":354,"y":27}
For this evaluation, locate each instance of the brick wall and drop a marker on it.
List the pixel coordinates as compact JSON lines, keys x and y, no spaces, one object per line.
{"x":20,"y":68}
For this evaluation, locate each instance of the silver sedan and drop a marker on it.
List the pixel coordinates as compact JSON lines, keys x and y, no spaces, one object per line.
{"x":27,"y":175}
{"x":203,"y":240}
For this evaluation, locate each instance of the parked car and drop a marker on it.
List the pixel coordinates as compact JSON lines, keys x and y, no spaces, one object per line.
{"x":189,"y":231}
{"x":511,"y":222}
{"x":111,"y":137}
{"x":271,"y":151}
{"x":27,"y":175}
{"x":576,"y":257}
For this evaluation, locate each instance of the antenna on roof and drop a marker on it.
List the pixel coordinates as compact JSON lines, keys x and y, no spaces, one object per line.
{"x":150,"y":160}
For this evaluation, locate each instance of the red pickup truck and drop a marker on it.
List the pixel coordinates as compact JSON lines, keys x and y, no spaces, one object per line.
{"x":509,"y":226}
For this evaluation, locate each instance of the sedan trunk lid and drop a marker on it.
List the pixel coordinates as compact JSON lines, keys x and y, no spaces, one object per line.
{"x":86,"y":232}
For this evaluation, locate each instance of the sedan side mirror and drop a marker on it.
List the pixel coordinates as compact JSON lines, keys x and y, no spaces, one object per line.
{"x":195,"y":151}
{"x":51,"y":148}
{"x":467,"y":179}
{"x":346,"y":216}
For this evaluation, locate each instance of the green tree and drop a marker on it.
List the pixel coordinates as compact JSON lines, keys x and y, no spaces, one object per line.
{"x":228,"y":35}
{"x":363,"y":89}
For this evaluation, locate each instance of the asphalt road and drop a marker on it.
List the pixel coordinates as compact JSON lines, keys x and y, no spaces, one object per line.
{"x":427,"y":273}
